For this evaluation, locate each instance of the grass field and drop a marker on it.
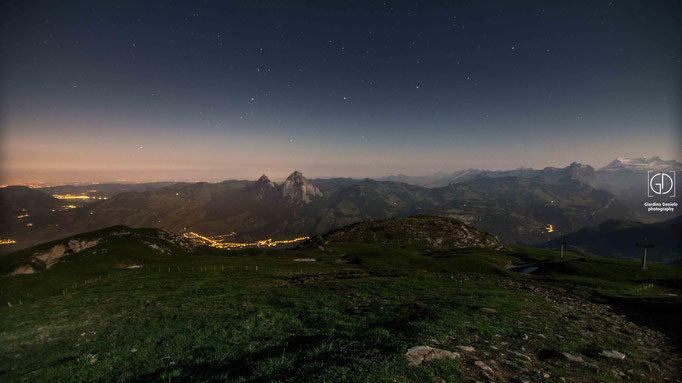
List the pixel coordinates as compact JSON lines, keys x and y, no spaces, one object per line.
{"x":260,"y":315}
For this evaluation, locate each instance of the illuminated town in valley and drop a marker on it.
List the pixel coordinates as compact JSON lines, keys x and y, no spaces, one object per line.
{"x":76,"y":197}
{"x":221,"y":244}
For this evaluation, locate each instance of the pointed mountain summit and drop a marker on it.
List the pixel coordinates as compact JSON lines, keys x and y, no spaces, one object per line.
{"x":264,"y":181}
{"x":263,"y":188}
{"x":297,"y":190}
{"x":581,"y":172}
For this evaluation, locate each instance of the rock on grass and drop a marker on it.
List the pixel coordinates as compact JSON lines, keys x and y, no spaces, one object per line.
{"x":613,"y":354}
{"x":420,"y":354}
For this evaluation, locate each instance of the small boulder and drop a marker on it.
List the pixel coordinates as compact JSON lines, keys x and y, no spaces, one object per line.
{"x":420,"y":354}
{"x":572,"y":358}
{"x":480,"y":364}
{"x":613,"y":354}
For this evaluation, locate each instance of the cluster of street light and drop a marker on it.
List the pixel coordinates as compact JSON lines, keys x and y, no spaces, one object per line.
{"x":212,"y":241}
{"x":74,"y":196}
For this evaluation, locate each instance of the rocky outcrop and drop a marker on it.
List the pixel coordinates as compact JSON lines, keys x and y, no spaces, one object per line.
{"x":297,"y":190}
{"x":420,"y":354}
{"x":580,"y":172}
{"x":50,"y":257}
{"x":44,"y":257}
{"x":23,"y":269}
{"x":436,"y":232}
{"x":77,"y":245}
{"x":264,"y":188}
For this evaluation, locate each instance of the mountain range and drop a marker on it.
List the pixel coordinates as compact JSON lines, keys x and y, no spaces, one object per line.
{"x":527,"y":206}
{"x":626,"y":178}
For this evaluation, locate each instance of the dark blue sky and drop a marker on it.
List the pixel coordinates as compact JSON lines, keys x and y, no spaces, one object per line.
{"x":193,"y":90}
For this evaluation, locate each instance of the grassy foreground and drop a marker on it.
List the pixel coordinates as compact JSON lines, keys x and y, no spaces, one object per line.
{"x":350,"y":316}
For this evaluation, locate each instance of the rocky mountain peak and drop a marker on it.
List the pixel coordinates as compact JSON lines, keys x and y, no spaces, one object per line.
{"x":580,"y":171}
{"x":296,"y":176}
{"x":265,"y":181}
{"x":263,"y":188}
{"x":297,"y":190}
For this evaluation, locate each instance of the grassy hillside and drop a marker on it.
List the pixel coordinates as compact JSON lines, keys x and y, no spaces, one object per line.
{"x":617,"y":239}
{"x":257,"y":315}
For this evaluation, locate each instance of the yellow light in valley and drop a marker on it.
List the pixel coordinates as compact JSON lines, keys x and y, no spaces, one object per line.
{"x":6,"y":241}
{"x":211,"y":241}
{"x":71,"y":196}
{"x":550,"y":228}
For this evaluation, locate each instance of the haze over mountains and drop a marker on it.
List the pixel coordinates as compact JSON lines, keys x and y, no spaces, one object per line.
{"x":516,"y":205}
{"x":624,"y":177}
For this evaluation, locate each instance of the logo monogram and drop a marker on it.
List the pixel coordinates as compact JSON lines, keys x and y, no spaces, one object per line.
{"x":661,"y":183}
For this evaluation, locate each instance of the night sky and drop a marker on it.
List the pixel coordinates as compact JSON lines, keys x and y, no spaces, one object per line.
{"x":98,"y":91}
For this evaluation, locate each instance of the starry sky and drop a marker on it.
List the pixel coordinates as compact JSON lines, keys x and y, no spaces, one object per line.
{"x":141,"y":90}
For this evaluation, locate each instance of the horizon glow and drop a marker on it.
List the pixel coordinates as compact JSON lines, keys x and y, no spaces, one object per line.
{"x":144,"y":92}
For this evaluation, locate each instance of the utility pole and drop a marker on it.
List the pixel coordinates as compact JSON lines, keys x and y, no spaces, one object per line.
{"x":644,"y":245}
{"x":561,"y":244}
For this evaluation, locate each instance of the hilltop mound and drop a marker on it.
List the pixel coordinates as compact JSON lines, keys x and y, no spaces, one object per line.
{"x":433,"y":231}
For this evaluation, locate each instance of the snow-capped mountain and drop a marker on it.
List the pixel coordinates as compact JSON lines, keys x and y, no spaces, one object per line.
{"x":641,"y":164}
{"x":627,"y":179}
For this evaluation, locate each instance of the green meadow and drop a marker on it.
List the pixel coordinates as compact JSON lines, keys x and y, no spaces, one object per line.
{"x":271,"y":315}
